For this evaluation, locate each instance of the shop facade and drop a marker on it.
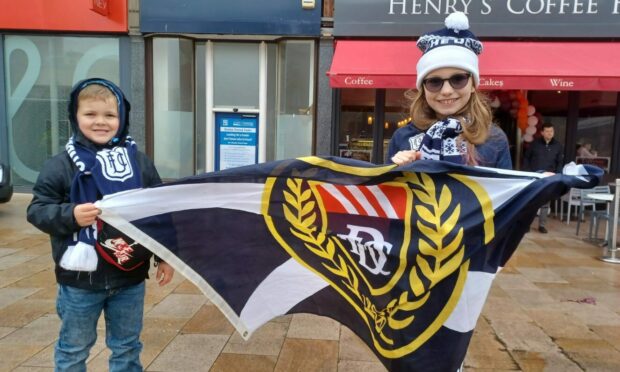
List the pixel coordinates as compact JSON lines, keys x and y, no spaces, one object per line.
{"x":229,"y":83}
{"x":543,"y":61}
{"x":43,"y":52}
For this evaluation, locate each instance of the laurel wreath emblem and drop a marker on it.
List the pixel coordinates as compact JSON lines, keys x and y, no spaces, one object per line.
{"x":436,"y":222}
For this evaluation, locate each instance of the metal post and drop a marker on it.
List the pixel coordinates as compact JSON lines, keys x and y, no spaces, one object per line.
{"x":612,"y":246}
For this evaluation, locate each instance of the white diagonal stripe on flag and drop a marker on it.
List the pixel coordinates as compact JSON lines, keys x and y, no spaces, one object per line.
{"x":384,"y":202}
{"x":361,"y":198}
{"x":346,"y":204}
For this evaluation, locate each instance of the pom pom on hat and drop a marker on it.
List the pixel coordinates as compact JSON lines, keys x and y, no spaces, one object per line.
{"x":453,"y":46}
{"x":457,"y":21}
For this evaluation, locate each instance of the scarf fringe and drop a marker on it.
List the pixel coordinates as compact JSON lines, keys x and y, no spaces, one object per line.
{"x":80,"y":257}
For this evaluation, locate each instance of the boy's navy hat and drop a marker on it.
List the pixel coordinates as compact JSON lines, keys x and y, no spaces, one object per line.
{"x":452,"y":46}
{"x":123,"y":107}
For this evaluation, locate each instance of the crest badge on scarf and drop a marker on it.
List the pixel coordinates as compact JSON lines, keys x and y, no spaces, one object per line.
{"x":115,"y":164}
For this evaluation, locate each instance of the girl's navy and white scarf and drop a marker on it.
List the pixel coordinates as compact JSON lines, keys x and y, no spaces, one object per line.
{"x":103,"y":172}
{"x":442,"y":142}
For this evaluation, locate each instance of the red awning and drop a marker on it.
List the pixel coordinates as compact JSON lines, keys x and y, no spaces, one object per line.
{"x":503,"y":65}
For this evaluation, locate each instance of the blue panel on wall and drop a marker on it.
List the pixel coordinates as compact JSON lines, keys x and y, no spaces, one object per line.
{"x":235,"y":17}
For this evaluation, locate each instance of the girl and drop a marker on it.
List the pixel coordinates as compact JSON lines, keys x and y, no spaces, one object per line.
{"x":451,"y":120}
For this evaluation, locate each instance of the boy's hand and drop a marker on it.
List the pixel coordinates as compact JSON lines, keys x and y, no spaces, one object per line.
{"x":164,"y":274}
{"x":85,"y":214}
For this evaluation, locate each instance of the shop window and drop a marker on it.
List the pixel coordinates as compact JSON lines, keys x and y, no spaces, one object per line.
{"x":595,"y":128}
{"x":553,"y":108}
{"x":40,"y":72}
{"x":397,"y":104}
{"x":201,"y":107}
{"x":272,"y":96}
{"x":295,"y":99}
{"x":173,"y":107}
{"x":236,"y":75}
{"x":357,"y":119}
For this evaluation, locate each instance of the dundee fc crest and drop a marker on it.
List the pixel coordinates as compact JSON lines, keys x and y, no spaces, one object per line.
{"x":115,"y":164}
{"x":395,"y":251}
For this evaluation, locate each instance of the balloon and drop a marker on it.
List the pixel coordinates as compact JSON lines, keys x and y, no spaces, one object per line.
{"x":513,"y":112}
{"x":506,"y":105}
{"x":495,"y":103}
{"x":530,"y":130}
{"x":532,"y":121}
{"x":531,"y":110}
{"x":528,"y":137}
{"x":515,"y":103}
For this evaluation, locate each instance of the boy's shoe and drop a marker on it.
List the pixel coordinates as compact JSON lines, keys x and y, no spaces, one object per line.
{"x":543,"y":230}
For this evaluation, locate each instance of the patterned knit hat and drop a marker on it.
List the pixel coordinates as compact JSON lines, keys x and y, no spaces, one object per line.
{"x":452,"y":46}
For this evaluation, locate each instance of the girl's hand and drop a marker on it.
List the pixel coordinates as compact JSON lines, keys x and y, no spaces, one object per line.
{"x":85,"y":214}
{"x":406,"y":157}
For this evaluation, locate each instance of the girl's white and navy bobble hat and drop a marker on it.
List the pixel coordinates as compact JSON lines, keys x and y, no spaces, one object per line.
{"x":452,"y":46}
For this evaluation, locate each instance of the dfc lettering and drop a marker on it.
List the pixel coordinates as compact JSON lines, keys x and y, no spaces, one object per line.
{"x":371,"y":253}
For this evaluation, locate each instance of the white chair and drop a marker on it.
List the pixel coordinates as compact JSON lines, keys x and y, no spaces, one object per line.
{"x":586,"y":201}
{"x":572,"y":198}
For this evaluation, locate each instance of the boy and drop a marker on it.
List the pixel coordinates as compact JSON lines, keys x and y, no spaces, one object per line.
{"x":94,"y":276}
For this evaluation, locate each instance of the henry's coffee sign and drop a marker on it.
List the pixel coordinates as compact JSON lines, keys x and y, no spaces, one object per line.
{"x":526,"y":18}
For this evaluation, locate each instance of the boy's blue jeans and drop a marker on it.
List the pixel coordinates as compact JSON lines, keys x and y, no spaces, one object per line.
{"x":79,"y":310}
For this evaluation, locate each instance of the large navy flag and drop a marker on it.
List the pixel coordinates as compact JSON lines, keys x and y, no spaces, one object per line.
{"x":403,"y":256}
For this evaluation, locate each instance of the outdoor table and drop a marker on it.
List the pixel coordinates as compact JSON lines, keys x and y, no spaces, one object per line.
{"x":606,"y":198}
{"x":611,"y":248}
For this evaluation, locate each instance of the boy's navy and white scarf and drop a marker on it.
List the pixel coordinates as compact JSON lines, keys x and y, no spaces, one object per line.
{"x":100,"y":173}
{"x":442,"y":142}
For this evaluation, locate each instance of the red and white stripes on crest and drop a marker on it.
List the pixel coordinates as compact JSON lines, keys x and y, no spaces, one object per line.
{"x":375,"y":201}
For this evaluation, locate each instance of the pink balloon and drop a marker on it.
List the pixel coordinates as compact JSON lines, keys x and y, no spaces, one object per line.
{"x":530,"y":130}
{"x":531,"y":110}
{"x":528,"y":137}
{"x":532,"y":121}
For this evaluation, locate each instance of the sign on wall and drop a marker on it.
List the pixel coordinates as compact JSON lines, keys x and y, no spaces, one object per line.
{"x":273,"y":17}
{"x":101,"y":7}
{"x":528,"y":18}
{"x":236,"y":140}
{"x":65,"y":15}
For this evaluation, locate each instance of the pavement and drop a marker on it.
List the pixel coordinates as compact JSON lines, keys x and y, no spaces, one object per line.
{"x":555,"y":307}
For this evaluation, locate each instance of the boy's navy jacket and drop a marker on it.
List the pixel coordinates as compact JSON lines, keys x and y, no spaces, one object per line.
{"x":493,"y":153}
{"x":52,"y":211}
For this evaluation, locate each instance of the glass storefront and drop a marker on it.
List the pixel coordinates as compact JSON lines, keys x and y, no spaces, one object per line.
{"x":363,"y":110}
{"x":295,"y":99}
{"x":209,"y":77}
{"x":39,"y":74}
{"x":173,"y":107}
{"x":553,"y":106}
{"x":595,"y":127}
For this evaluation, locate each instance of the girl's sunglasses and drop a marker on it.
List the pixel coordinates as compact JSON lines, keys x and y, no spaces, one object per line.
{"x":457,"y":81}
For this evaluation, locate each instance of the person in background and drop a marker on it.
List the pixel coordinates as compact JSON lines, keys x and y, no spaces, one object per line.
{"x":585,"y":150}
{"x":545,"y":154}
{"x":95,"y":276}
{"x":451,"y":119}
